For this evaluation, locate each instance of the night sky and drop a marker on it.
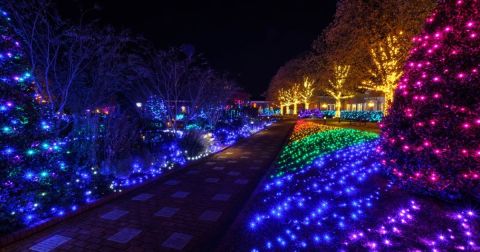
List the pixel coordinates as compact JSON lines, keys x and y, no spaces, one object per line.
{"x":250,"y":41}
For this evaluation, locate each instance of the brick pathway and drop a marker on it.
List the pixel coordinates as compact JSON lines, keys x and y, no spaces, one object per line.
{"x":188,"y":210}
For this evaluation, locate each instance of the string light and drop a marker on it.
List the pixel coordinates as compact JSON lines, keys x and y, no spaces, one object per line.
{"x":36,"y":179}
{"x":307,"y":92}
{"x":387,"y":69}
{"x":341,"y":201}
{"x":431,"y":136}
{"x":310,"y":113}
{"x":296,"y":94}
{"x":305,"y":150}
{"x":43,"y":176}
{"x":337,"y":89}
{"x":367,"y":116}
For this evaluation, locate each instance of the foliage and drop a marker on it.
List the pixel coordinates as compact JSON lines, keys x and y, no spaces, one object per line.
{"x":360,"y":24}
{"x":311,"y":113}
{"x":386,"y":70}
{"x":156,"y":108}
{"x":291,"y":72}
{"x":362,"y":50}
{"x":329,"y":113}
{"x":193,"y":143}
{"x":431,"y":136}
{"x":366,"y":116}
{"x":338,"y":88}
{"x":37,"y":178}
{"x":87,"y":110}
{"x":75,"y":64}
{"x":269,"y":111}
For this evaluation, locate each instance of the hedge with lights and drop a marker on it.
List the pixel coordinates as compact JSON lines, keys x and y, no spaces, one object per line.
{"x":368,"y":116}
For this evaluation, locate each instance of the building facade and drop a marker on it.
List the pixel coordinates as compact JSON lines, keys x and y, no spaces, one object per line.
{"x":363,"y":102}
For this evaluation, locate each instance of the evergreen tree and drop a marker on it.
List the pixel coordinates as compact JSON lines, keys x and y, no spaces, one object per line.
{"x":432,"y":134}
{"x":36,"y":181}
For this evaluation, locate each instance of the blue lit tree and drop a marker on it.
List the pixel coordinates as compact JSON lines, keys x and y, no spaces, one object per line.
{"x":36,"y":181}
{"x":156,"y":108}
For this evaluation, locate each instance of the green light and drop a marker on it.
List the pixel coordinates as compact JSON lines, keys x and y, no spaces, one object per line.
{"x":303,"y":152}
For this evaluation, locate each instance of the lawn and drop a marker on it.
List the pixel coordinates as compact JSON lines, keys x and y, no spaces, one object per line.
{"x":331,"y":193}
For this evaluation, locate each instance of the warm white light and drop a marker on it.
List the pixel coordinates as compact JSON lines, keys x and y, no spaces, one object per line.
{"x":337,"y":89}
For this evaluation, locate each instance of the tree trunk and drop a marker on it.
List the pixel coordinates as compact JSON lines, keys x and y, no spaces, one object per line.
{"x":388,"y":100}
{"x":338,"y":107}
{"x":295,"y":108}
{"x":307,"y":105}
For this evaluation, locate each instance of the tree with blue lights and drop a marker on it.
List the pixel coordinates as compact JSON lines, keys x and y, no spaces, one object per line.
{"x":36,"y":181}
{"x":156,"y":108}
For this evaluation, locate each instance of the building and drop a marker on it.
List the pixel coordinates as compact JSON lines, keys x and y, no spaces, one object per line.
{"x":361,"y":102}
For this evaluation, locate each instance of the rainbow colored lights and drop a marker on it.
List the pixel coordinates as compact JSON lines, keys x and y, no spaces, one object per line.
{"x":317,"y":140}
{"x":338,"y":199}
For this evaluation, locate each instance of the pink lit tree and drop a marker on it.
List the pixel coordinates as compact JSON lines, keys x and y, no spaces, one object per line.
{"x":432,"y":134}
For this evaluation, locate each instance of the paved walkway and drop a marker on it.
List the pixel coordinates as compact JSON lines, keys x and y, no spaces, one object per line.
{"x":188,"y":210}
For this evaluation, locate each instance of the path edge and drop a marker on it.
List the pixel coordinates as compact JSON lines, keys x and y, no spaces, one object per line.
{"x":26,"y":232}
{"x":224,"y":240}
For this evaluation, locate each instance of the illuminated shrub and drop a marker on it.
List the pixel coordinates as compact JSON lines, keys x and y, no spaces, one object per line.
{"x":431,"y":137}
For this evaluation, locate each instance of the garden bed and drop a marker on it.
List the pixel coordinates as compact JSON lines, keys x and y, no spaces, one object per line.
{"x":343,"y":200}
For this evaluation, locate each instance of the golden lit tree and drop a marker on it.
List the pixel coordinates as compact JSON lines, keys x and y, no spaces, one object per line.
{"x":289,"y":97}
{"x":295,"y":97}
{"x":388,"y":25}
{"x":282,"y":98}
{"x":387,"y":58}
{"x":338,"y":88}
{"x":286,"y":99}
{"x":358,"y":24}
{"x":306,"y":92}
{"x":291,"y":72}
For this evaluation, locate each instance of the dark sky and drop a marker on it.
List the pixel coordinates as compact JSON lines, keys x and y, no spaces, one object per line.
{"x":248,"y":40}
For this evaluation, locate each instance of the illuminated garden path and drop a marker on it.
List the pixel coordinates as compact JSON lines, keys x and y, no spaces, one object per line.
{"x":188,"y":210}
{"x":328,"y":193}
